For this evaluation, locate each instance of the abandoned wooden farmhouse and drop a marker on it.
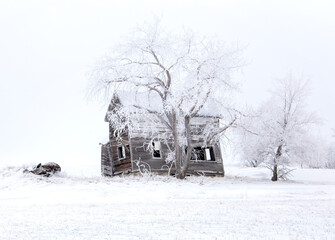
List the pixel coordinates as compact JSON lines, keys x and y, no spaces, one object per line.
{"x":137,"y":150}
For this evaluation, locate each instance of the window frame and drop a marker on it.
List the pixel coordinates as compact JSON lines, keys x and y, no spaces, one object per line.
{"x":206,"y":152}
{"x":153,"y":149}
{"x":123,"y":151}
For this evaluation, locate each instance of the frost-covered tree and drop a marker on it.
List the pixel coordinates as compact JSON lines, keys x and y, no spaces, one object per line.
{"x":249,"y":143}
{"x":312,"y":151}
{"x":181,"y":78}
{"x":279,"y":130}
{"x":330,"y":157}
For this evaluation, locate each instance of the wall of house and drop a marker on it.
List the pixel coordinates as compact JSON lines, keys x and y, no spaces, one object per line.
{"x":143,"y":157}
{"x":139,"y":155}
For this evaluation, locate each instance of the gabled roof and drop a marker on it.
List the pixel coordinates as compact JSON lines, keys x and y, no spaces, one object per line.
{"x":114,"y":105}
{"x":144,"y":99}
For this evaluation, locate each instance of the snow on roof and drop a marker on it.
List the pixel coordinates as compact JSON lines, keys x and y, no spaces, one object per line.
{"x":153,"y":102}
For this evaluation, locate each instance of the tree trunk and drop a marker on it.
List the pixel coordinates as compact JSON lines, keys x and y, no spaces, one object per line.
{"x":275,"y":173}
{"x":189,"y":149}
{"x":275,"y":165}
{"x":185,"y":158}
{"x":178,"y":150}
{"x":179,"y":171}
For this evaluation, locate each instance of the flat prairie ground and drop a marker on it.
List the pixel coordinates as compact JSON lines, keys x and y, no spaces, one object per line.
{"x":244,"y":204}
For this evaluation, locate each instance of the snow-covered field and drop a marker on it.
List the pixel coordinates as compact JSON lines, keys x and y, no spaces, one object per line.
{"x":242,"y":205}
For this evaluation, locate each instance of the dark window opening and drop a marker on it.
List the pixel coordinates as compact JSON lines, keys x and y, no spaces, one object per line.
{"x":121,"y":152}
{"x":156,"y":145}
{"x":203,"y":154}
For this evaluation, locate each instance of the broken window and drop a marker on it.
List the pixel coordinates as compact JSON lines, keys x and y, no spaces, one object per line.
{"x":121,"y":152}
{"x":203,"y":154}
{"x":156,"y":145}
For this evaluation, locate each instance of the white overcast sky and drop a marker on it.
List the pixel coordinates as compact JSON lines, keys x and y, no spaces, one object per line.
{"x":48,"y":47}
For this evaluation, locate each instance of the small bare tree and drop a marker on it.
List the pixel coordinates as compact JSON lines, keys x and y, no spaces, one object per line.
{"x":279,"y":132}
{"x":181,"y":78}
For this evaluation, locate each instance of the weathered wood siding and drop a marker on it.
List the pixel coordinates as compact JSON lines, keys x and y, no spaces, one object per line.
{"x":141,"y":153}
{"x":119,"y":165}
{"x":137,"y":150}
{"x":106,"y":163}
